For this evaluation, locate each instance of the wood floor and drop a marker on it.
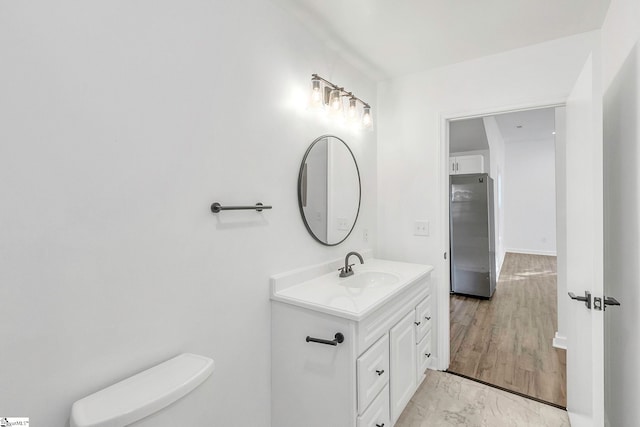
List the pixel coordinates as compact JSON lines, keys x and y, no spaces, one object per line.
{"x":506,"y":341}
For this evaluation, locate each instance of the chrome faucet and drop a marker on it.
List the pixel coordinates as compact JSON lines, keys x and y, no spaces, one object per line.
{"x":347,"y":271}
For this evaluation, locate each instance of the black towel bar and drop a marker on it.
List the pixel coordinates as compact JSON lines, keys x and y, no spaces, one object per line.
{"x":217,"y":207}
{"x":339,"y":339}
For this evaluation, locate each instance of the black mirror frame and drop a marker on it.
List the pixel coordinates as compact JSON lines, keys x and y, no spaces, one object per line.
{"x":304,"y":218}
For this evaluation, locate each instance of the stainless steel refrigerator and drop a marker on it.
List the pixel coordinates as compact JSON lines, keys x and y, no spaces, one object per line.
{"x":472,"y":236}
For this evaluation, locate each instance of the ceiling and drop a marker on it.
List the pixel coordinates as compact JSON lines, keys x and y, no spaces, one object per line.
{"x":467,"y":135}
{"x":393,"y":38}
{"x":521,"y":126}
{"x":536,"y":125}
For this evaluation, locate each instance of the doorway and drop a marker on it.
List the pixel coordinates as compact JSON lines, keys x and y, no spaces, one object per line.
{"x":505,"y":337}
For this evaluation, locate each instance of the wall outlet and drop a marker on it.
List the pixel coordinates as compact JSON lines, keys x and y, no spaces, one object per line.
{"x":421,"y":228}
{"x":365,"y":235}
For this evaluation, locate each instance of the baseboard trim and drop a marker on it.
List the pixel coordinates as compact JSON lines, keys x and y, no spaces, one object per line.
{"x":532,"y":252}
{"x":560,"y":342}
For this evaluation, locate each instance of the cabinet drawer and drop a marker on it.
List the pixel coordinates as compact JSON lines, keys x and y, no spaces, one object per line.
{"x":372,"y":372}
{"x":423,"y":318}
{"x":378,"y":413}
{"x":424,"y":354}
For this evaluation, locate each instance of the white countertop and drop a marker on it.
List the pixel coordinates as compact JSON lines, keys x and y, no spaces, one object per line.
{"x":332,"y":294}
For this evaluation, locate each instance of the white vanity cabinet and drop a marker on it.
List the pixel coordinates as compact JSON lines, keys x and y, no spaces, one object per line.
{"x":364,"y":381}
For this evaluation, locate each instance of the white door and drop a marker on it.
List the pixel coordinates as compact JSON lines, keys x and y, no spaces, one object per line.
{"x":402,"y":349}
{"x":584,"y":178}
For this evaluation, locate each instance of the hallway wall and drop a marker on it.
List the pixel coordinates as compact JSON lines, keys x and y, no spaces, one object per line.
{"x":530,"y":197}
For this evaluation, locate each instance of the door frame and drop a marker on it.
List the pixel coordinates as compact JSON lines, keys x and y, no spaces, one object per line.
{"x":442,"y":293}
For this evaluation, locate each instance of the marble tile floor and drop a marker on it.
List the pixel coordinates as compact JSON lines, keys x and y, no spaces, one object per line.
{"x":448,"y":400}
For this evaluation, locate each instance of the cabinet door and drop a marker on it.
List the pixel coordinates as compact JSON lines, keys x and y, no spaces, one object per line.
{"x":402,"y":349}
{"x":469,"y":164}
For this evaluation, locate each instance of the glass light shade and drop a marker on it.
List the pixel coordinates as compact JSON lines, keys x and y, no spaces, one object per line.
{"x":335,"y":101}
{"x":352,"y":112}
{"x":316,"y":93}
{"x":367,"y":120}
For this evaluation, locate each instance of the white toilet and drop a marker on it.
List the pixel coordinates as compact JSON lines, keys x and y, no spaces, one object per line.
{"x":143,"y":394}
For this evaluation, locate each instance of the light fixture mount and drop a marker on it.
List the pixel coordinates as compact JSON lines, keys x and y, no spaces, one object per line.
{"x":330,"y":96}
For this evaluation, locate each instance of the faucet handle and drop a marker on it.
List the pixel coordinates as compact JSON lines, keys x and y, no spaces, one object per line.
{"x":349,"y":267}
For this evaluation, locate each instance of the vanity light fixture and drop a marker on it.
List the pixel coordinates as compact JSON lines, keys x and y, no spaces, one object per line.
{"x":367,"y":121}
{"x":335,"y":100}
{"x":352,"y":112}
{"x":317,"y":95}
{"x":331,"y":97}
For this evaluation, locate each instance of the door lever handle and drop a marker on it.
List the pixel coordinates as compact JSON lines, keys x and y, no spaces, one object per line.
{"x":611,"y":301}
{"x":586,"y":298}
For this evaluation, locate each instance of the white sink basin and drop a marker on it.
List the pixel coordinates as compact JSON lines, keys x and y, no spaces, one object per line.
{"x":372,"y":285}
{"x":369,"y":279}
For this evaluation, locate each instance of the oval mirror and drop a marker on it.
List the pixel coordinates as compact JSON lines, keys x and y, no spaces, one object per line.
{"x":329,"y":190}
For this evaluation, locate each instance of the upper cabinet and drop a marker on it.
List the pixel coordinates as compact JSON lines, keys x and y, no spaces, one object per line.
{"x":461,"y":165}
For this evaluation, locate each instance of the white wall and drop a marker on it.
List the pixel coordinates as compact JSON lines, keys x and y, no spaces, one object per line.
{"x":530,"y":197}
{"x":621,"y":57}
{"x":496,"y":153}
{"x":410,"y":131}
{"x":120,"y":123}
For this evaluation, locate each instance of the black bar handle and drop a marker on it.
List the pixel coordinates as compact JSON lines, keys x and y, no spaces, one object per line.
{"x":417,"y":323}
{"x":339,"y":339}
{"x":217,"y":207}
{"x":380,"y":425}
{"x":379,"y":371}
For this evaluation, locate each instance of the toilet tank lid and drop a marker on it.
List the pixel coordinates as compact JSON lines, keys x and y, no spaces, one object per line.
{"x":142,"y":394}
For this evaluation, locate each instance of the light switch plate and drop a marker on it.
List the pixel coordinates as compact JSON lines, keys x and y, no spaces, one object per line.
{"x":421,"y":228}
